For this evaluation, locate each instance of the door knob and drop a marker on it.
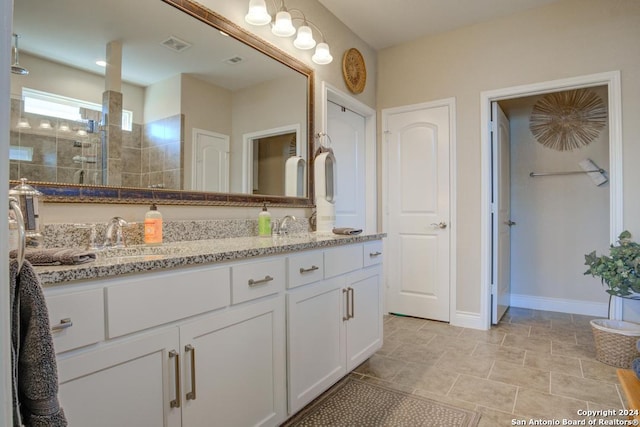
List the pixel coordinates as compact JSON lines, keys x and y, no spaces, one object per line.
{"x":510,"y":223}
{"x":439,"y":225}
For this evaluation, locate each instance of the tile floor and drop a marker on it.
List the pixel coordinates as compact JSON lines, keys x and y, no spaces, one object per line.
{"x":533,"y":365}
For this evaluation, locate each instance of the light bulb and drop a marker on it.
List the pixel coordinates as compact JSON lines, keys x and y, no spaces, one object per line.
{"x":23,"y":124}
{"x":322,"y":55}
{"x":305,"y":39}
{"x":257,"y":14}
{"x":283,"y":26}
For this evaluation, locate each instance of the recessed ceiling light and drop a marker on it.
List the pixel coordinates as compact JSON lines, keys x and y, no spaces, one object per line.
{"x":224,"y":34}
{"x":101,"y":63}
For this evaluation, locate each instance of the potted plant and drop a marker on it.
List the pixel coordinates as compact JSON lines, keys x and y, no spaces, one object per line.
{"x":620,"y":271}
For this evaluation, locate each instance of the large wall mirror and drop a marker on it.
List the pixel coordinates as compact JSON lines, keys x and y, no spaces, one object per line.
{"x":190,"y":108}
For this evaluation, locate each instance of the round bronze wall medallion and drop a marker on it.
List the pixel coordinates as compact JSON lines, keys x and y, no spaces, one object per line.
{"x":354,"y":71}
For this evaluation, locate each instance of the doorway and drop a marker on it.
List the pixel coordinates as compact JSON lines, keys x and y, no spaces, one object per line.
{"x":610,"y":84}
{"x":364,"y":205}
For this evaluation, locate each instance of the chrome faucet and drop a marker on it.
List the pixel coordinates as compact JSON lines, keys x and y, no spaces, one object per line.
{"x":281,"y":227}
{"x":116,"y":223}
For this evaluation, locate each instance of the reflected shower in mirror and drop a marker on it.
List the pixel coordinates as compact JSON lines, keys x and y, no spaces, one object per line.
{"x":172,"y":109}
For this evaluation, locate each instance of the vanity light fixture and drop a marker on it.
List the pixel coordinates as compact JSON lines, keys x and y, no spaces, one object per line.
{"x":283,"y":27}
{"x":64,"y":127}
{"x":45,"y":124}
{"x":23,"y":124}
{"x":257,"y":14}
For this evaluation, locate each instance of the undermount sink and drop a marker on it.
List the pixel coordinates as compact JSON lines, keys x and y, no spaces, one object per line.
{"x":141,"y":251}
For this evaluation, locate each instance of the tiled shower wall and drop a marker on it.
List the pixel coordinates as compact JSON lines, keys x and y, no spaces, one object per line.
{"x":151,"y":154}
{"x":57,"y":156}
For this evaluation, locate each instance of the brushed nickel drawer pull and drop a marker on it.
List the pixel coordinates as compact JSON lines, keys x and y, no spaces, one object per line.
{"x":353,"y":297}
{"x":192,"y":394}
{"x":374,"y":254}
{"x":345,"y":318}
{"x":175,"y":403}
{"x":64,"y":324}
{"x":307,"y":270}
{"x":260,"y":282}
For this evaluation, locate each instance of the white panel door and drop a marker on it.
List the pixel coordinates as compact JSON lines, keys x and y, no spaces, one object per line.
{"x":347,"y":132}
{"x":210,"y":161}
{"x":417,"y":209}
{"x":501,"y":289}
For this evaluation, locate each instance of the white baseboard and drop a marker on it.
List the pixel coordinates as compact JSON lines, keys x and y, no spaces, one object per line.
{"x":563,"y":305}
{"x":465,"y":319}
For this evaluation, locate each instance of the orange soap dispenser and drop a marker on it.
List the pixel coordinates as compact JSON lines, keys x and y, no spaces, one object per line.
{"x":153,"y":226}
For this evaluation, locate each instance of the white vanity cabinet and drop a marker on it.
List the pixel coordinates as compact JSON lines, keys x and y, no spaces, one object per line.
{"x":335,"y":323}
{"x":178,"y":351}
{"x":224,"y":344}
{"x":129,"y":383}
{"x":234,"y":367}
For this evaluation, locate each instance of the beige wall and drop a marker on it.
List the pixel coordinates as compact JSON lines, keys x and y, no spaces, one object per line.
{"x":565,"y":39}
{"x":162,"y":99}
{"x":263,"y":107}
{"x":207,"y":107}
{"x":52,"y":77}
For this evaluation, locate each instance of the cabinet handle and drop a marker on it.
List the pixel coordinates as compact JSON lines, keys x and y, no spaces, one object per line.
{"x":260,"y":281}
{"x":345,"y":318}
{"x":353,"y":297}
{"x":64,"y":324}
{"x":374,"y":254}
{"x":175,"y":403}
{"x":306,"y":270}
{"x":192,"y":394}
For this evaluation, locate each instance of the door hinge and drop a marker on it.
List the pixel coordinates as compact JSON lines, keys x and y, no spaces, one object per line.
{"x":494,"y":289}
{"x":492,"y":126}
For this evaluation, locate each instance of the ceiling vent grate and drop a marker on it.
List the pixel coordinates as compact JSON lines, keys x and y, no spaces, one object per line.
{"x":234,"y":60}
{"x":176,"y":44}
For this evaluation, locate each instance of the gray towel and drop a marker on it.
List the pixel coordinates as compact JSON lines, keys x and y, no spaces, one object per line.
{"x":57,"y":256}
{"x":347,"y":231}
{"x":33,"y":359}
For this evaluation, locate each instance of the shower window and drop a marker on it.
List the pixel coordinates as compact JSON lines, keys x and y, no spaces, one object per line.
{"x":62,"y":107}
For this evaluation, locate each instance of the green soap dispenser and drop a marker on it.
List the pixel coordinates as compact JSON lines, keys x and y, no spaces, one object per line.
{"x":264,"y":222}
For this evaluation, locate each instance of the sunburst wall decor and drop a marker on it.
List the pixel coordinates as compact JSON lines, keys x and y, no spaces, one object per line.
{"x":567,"y":120}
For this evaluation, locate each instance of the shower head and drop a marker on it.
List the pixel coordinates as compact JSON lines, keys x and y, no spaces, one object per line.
{"x":15,"y":67}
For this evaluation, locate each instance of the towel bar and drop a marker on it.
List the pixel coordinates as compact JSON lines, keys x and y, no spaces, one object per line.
{"x":534,"y":174}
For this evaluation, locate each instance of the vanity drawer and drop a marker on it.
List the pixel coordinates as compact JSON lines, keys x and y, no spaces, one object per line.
{"x":304,"y":268}
{"x":158,"y":298}
{"x":342,"y":259}
{"x":257,"y":279}
{"x":76,"y":319}
{"x":372,"y":252}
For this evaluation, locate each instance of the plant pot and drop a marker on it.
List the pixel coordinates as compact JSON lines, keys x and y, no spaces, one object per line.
{"x":616,"y":341}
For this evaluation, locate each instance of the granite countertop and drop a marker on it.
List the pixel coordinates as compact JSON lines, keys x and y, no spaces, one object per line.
{"x":135,"y":259}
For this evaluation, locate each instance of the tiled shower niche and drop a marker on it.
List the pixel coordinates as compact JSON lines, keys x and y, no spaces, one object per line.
{"x":151,"y":154}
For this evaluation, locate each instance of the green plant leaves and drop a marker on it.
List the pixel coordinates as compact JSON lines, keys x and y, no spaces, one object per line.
{"x":619,"y":270}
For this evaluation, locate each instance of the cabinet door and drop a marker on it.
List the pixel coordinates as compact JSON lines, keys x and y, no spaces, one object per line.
{"x":316,"y":342}
{"x":123,"y":384}
{"x":234,"y":367}
{"x":364,"y":328}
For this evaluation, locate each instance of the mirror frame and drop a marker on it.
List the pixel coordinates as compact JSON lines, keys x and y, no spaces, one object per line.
{"x":75,"y":193}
